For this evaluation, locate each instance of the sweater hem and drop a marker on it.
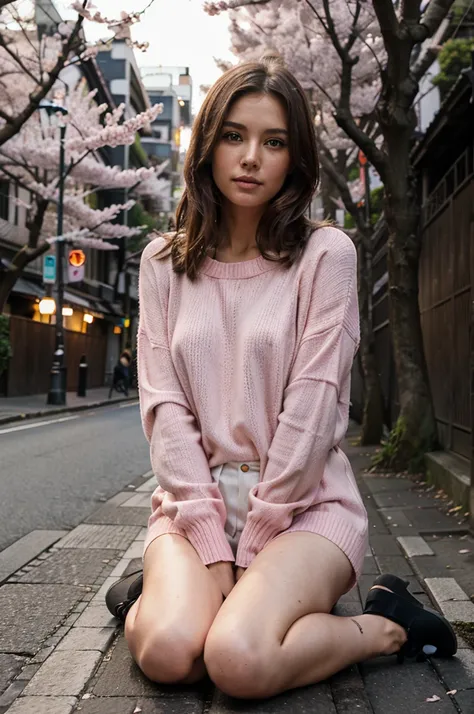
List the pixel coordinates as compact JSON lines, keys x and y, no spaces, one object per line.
{"x":208,"y":539}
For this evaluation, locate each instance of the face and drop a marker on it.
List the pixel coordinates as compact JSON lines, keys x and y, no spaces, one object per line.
{"x":252,"y":159}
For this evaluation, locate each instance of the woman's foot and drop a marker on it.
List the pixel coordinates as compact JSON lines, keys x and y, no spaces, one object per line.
{"x":426,"y":632}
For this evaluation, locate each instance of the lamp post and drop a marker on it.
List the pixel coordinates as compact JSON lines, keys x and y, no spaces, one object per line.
{"x":58,"y":374}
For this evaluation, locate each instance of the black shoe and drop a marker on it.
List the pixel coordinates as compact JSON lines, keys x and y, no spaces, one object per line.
{"x":120,"y":597}
{"x":428,"y":632}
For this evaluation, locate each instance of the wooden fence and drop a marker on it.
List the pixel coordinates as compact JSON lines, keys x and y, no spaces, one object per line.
{"x":33,"y":346}
{"x":446,"y":297}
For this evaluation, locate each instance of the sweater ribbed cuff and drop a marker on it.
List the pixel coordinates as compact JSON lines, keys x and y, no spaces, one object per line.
{"x":254,"y":538}
{"x":207,"y":537}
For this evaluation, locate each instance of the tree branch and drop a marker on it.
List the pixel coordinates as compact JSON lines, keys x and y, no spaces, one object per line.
{"x":388,"y":21}
{"x":12,"y":128}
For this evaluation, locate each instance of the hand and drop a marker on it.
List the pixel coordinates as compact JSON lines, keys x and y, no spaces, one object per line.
{"x":224,"y":575}
{"x":238,"y":573}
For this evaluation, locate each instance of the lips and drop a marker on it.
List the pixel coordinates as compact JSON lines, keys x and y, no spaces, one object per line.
{"x":248,"y":180}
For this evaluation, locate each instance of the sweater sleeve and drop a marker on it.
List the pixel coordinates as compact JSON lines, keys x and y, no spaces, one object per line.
{"x":187,"y":501}
{"x":316,"y":390}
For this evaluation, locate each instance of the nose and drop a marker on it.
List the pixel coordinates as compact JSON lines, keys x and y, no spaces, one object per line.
{"x":250,"y":158}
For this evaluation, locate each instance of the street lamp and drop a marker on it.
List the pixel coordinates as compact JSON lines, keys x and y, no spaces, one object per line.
{"x":58,"y":374}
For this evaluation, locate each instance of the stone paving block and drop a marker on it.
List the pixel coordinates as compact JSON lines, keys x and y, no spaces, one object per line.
{"x":118,"y":499}
{"x":27,"y":617}
{"x":402,"y":500}
{"x":100,"y":594}
{"x":394,"y":564}
{"x":26,"y":549}
{"x":388,"y":484}
{"x":370,"y":566}
{"x":142,"y":535}
{"x":10,"y":666}
{"x":186,"y":704}
{"x":135,"y":550}
{"x":72,"y":566}
{"x":87,"y":638}
{"x":139,"y":500}
{"x":120,"y":568}
{"x":400,"y":518}
{"x":457,"y":672}
{"x":464,"y":700}
{"x":96,"y":616}
{"x":458,"y":611}
{"x":149,"y":486}
{"x":394,"y":689}
{"x":447,"y":551}
{"x":376,"y":524}
{"x":347,"y":609}
{"x":111,"y":515}
{"x":445,"y":589}
{"x":310,"y":700}
{"x":28,"y":671}
{"x":384,"y":544}
{"x":414,"y":546}
{"x":97,"y":536}
{"x":348,"y":692}
{"x":10,"y":694}
{"x":432,"y":520}
{"x":120,"y":677}
{"x":43,"y":705}
{"x":63,"y":674}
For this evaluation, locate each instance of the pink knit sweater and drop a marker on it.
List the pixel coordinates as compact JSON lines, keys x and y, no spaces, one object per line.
{"x":252,"y":362}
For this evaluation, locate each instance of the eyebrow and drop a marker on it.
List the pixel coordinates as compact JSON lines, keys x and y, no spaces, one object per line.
{"x":236,"y":125}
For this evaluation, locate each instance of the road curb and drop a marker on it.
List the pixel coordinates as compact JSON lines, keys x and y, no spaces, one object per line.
{"x":64,"y":410}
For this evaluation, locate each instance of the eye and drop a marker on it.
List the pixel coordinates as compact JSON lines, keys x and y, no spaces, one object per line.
{"x":276,"y":143}
{"x":232,"y":136}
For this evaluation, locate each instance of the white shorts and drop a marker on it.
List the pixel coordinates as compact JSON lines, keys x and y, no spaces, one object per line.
{"x":235,"y":479}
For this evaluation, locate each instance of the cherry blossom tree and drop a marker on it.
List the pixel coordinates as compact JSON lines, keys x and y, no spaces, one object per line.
{"x":392,"y":33}
{"x":36,"y":63}
{"x":30,"y":159}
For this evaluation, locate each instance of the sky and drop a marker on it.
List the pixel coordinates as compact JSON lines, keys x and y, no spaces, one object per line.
{"x":179,"y":33}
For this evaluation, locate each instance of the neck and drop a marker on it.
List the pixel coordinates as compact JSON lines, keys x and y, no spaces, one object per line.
{"x":239,"y":232}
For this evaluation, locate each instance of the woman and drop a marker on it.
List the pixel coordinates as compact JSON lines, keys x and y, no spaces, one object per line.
{"x":248,"y":329}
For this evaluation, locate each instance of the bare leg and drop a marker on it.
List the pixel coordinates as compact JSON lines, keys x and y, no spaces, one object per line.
{"x":274,"y":632}
{"x":167,"y":627}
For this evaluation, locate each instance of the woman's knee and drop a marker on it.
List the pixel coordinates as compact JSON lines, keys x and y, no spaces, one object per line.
{"x":239,"y":665}
{"x":165,"y":653}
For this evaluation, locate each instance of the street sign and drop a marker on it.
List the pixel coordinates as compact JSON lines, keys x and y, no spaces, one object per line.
{"x":75,"y":274}
{"x":49,"y":269}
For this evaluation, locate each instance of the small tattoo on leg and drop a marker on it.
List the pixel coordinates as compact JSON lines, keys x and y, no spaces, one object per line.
{"x":358,"y":625}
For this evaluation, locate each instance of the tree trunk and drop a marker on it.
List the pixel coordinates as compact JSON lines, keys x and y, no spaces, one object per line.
{"x":328,"y":192}
{"x":415,"y":432}
{"x":372,"y":419}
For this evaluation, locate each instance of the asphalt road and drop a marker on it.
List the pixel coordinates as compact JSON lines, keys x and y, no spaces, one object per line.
{"x":56,"y":471}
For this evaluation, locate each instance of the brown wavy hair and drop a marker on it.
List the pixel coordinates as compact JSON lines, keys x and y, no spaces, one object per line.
{"x":284,"y":228}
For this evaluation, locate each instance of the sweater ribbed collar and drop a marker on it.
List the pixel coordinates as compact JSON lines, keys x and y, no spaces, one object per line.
{"x":237,"y":271}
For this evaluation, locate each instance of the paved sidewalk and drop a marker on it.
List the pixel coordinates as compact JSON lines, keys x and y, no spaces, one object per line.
{"x":61,"y":652}
{"x":34,"y":406}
